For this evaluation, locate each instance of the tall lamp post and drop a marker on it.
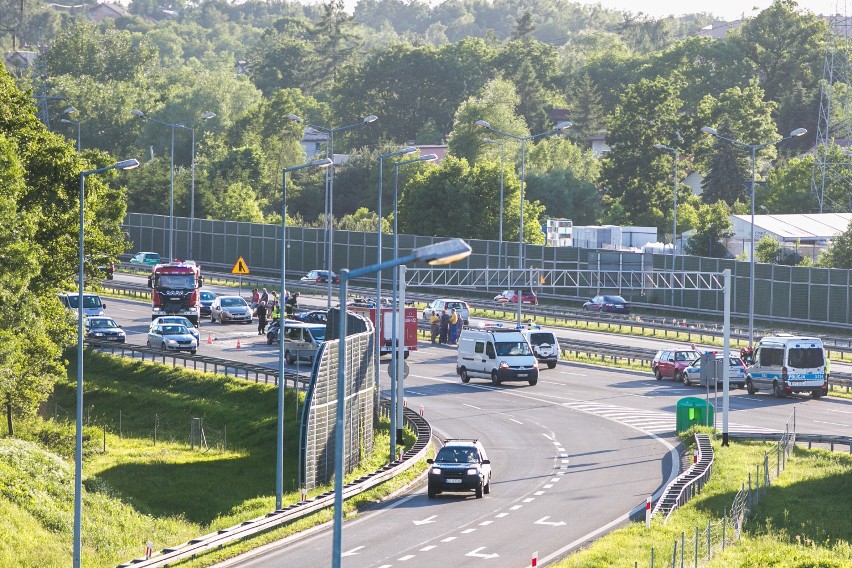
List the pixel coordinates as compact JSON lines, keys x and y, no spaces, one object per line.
{"x":329,"y":181}
{"x":754,"y":148}
{"x":67,"y":111}
{"x":674,"y":222}
{"x":279,"y":462}
{"x":397,"y":336}
{"x":78,"y":443}
{"x":205,"y":116}
{"x":500,"y":233}
{"x":561,"y":127}
{"x":438,"y":253}
{"x":378,"y":341}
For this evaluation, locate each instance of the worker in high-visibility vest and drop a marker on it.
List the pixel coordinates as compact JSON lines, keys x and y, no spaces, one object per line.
{"x":276,"y":312}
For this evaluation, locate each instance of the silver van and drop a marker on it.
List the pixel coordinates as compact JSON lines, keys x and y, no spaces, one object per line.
{"x":496,"y":354}
{"x":302,"y":340}
{"x":92,"y":303}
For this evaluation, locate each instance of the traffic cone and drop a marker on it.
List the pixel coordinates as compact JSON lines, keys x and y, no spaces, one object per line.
{"x":534,"y":562}
{"x":209,"y":339}
{"x":238,"y":343}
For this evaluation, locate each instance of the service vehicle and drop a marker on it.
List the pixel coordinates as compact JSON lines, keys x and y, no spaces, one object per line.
{"x":460,"y":465}
{"x":497,"y":354}
{"x":146,"y":259}
{"x":736,"y":371}
{"x":171,"y":337}
{"x":385,"y":327}
{"x":102,"y":328}
{"x":230,"y":309}
{"x":449,"y":304}
{"x":786,"y":364}
{"x":175,"y":290}
{"x":92,"y":303}
{"x":672,"y":362}
{"x":544,"y":346}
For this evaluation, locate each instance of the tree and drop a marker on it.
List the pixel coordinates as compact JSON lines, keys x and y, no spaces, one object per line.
{"x":839,"y":252}
{"x":788,"y":186}
{"x":524,"y":26}
{"x":713,"y":224}
{"x":728,"y":172}
{"x":335,"y":38}
{"x":585,"y":110}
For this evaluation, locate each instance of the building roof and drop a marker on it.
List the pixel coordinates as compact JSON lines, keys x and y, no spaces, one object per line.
{"x":795,"y":227}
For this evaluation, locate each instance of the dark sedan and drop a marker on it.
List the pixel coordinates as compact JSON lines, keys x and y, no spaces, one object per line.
{"x":611,"y":304}
{"x":313,"y":316}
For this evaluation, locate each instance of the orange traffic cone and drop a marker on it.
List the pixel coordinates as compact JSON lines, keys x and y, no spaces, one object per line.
{"x":209,"y":339}
{"x":238,"y":343}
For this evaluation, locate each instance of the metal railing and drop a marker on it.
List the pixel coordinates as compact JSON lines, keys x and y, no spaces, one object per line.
{"x":688,"y":484}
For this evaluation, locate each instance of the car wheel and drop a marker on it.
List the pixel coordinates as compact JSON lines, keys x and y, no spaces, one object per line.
{"x":289,"y":357}
{"x":464,"y":376}
{"x":405,"y":356}
{"x":163,"y":346}
{"x":149,"y":344}
{"x":487,"y":488}
{"x":551,"y":365}
{"x":192,"y":351}
{"x":816,"y":394}
{"x":432,"y":492}
{"x":678,"y":376}
{"x":212,"y":318}
{"x":533,"y":382}
{"x":479,"y":490}
{"x":750,"y":387}
{"x":686,"y":380}
{"x":777,"y":391}
{"x":657,"y":374}
{"x":494,"y":378}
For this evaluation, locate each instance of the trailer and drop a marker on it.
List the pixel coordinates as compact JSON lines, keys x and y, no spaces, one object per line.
{"x":175,"y":290}
{"x":385,"y":327}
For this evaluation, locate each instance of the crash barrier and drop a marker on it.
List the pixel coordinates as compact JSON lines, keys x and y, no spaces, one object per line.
{"x":296,"y":511}
{"x":689,"y":483}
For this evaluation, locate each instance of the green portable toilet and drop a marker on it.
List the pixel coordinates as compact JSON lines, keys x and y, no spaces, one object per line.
{"x":692,"y":411}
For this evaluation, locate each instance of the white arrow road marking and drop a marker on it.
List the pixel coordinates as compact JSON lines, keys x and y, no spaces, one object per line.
{"x":477,"y":554}
{"x":424,"y":521}
{"x":544,"y":521}
{"x":355,"y":550}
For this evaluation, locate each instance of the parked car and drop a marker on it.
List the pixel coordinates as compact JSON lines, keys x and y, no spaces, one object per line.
{"x":171,"y":337}
{"x":206,"y":301}
{"x":527,"y":297}
{"x":611,"y":304}
{"x":146,"y":259}
{"x":104,"y":329}
{"x":461,"y":465}
{"x":179,"y":320}
{"x":673,"y":362}
{"x":461,"y":307}
{"x":736,"y":372}
{"x":320,"y":277}
{"x":230,"y":309}
{"x":313,"y":316}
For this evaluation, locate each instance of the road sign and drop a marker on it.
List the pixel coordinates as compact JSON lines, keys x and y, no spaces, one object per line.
{"x":240,"y":267}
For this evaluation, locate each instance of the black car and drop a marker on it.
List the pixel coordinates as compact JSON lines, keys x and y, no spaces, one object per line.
{"x":461,"y":465}
{"x":611,"y":304}
{"x":313,"y":316}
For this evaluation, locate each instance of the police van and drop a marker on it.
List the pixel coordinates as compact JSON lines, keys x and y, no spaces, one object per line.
{"x":496,"y":354}
{"x":786,"y":364}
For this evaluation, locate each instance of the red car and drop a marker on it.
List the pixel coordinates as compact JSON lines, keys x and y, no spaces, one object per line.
{"x":673,"y":362}
{"x":527,"y":297}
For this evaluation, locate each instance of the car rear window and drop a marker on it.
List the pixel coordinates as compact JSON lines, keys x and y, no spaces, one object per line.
{"x":805,"y":358}
{"x":541,"y":338}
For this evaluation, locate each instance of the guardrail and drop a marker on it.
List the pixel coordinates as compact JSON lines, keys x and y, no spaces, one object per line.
{"x":689,"y":483}
{"x":295,"y":511}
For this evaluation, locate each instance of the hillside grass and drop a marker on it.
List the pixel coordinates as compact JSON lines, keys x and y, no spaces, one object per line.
{"x":803,"y":519}
{"x":136,"y":490}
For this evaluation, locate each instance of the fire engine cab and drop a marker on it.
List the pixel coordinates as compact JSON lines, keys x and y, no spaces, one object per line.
{"x":174,"y":290}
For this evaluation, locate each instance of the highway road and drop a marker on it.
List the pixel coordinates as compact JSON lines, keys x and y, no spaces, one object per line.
{"x":571,"y":455}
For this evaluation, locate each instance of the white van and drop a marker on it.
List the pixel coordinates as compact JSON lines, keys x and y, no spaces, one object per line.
{"x":544,"y":346}
{"x":302,"y":340}
{"x":496,"y":354}
{"x":786,"y":364}
{"x":92,"y":304}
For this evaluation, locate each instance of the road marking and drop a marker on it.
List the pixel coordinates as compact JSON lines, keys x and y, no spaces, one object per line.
{"x":515,"y":507}
{"x":485,"y":523}
{"x":544,"y":521}
{"x":468,"y":531}
{"x":352,"y":552}
{"x":449,"y":539}
{"x":840,"y":411}
{"x":501,"y":515}
{"x":427,"y":548}
{"x":515,"y":421}
{"x":830,"y":423}
{"x":555,"y":479}
{"x":472,"y":406}
{"x":528,"y":500}
{"x":425,"y":521}
{"x":548,"y":486}
{"x":476,"y":554}
{"x":537,"y":493}
{"x":572,"y":374}
{"x":406,"y":557}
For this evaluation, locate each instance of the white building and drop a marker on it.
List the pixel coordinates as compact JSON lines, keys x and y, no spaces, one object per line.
{"x":808,"y":234}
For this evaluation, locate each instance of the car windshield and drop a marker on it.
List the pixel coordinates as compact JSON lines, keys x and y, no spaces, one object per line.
{"x":513,"y":348}
{"x":175,"y":330}
{"x":318,"y":333}
{"x":102,"y":323}
{"x":208,"y":296}
{"x":175,"y":281}
{"x":88,"y":301}
{"x":456,"y":306}
{"x":452,"y":454}
{"x":233,"y":302}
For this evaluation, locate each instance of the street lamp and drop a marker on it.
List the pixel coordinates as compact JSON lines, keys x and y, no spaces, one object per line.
{"x":378,"y":354}
{"x":523,"y":140}
{"x":279,"y":467}
{"x":205,"y":116}
{"x":329,"y":181}
{"x":444,"y":252}
{"x":500,"y":235}
{"x":674,"y":222}
{"x":397,"y":335}
{"x":67,"y":111}
{"x":754,"y":148}
{"x":78,"y":445}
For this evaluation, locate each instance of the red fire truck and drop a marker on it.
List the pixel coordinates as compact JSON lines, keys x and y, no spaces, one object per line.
{"x":385,"y":327}
{"x":174,"y":290}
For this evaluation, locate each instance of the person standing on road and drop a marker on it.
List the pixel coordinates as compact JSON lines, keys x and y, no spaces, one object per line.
{"x":454,"y":326}
{"x":290,"y":305}
{"x":264,"y":297}
{"x":435,"y":323}
{"x":276,"y":313}
{"x":445,"y":326}
{"x":261,"y":318}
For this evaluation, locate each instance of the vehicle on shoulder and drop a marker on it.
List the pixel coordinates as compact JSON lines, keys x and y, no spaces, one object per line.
{"x":608,"y":304}
{"x":736,"y":372}
{"x":511,"y":296}
{"x":449,"y":304}
{"x":146,"y":259}
{"x":179,"y":320}
{"x":672,"y":362}
{"x":230,"y":309}
{"x":787,"y":364}
{"x":497,"y":354}
{"x":102,"y":328}
{"x":92,"y":304}
{"x":460,"y":465}
{"x":171,"y":337}
{"x":544,"y":346}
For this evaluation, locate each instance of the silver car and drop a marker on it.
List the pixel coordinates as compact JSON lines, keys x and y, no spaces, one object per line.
{"x":179,"y":320}
{"x":228,"y":309}
{"x":439,"y":305}
{"x":171,"y":337}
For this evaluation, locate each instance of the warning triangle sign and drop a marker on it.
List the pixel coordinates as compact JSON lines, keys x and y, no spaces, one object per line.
{"x":240,"y":267}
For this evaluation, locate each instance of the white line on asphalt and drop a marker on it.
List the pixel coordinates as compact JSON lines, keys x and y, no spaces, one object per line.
{"x":840,"y":411}
{"x":831,"y":423}
{"x":472,"y":406}
{"x":515,"y":421}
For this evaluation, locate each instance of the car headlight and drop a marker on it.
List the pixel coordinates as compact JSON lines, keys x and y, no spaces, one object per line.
{"x":171,"y":342}
{"x":504,"y":365}
{"x":98,"y":334}
{"x":472,"y":471}
{"x":436,"y":470}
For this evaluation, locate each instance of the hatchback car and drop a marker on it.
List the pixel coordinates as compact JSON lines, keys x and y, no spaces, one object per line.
{"x":736,"y":372}
{"x":171,"y":337}
{"x":179,"y":320}
{"x":527,"y":297}
{"x":673,"y":362}
{"x":230,"y":309}
{"x":611,"y":304}
{"x":320,"y":277}
{"x":104,"y":329}
{"x":437,"y":306}
{"x":313,"y":316}
{"x":206,"y":301}
{"x":146,"y":259}
{"x":461,"y":465}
